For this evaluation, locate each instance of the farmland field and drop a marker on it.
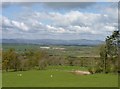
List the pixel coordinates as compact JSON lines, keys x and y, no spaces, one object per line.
{"x":61,"y":77}
{"x":68,"y":50}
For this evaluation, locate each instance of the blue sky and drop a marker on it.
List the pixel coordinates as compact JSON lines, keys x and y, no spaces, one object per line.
{"x":67,"y":21}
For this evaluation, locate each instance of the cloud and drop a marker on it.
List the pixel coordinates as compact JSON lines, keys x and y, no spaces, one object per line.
{"x":74,"y":22}
{"x":20,"y":25}
{"x":79,"y":29}
{"x":70,"y":23}
{"x":19,"y":3}
{"x":7,"y":23}
{"x":83,"y":20}
{"x":52,"y":5}
{"x":66,"y":5}
{"x":54,"y":29}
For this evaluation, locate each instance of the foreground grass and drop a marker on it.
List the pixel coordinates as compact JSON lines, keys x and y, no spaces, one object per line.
{"x":60,"y":78}
{"x":0,"y":79}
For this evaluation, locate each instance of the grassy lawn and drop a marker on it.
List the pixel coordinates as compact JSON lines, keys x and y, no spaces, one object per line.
{"x":61,"y":78}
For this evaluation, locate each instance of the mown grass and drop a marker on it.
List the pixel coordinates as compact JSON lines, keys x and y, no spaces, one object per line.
{"x":61,"y":78}
{"x":0,"y":79}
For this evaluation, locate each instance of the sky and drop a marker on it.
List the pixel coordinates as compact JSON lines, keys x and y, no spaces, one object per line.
{"x":59,"y":20}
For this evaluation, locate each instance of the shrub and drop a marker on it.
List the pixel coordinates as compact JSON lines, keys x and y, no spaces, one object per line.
{"x":91,"y":70}
{"x":95,"y":69}
{"x":98,"y":70}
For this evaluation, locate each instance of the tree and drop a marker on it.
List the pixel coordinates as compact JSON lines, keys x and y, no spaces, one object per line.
{"x":36,"y":58}
{"x":110,"y":52}
{"x":10,"y":60}
{"x":112,"y":43}
{"x":103,"y":57}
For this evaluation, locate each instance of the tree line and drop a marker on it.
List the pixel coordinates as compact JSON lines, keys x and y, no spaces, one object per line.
{"x":40,"y":59}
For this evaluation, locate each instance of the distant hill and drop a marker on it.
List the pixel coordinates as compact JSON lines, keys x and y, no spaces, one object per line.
{"x":53,"y":41}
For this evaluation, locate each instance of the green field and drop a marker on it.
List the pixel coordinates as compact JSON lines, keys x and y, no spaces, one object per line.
{"x":61,"y":78}
{"x":0,"y":78}
{"x":77,"y":51}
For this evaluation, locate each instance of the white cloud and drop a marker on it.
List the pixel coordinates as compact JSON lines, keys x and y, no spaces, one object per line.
{"x":79,"y":29}
{"x":55,"y":30}
{"x":14,"y":24}
{"x":72,"y":22}
{"x":110,"y":28}
{"x":20,"y":25}
{"x":6,"y":21}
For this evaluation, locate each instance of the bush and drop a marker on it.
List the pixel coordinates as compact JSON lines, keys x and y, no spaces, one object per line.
{"x":93,"y":70}
{"x":112,"y":69}
{"x":98,"y":70}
